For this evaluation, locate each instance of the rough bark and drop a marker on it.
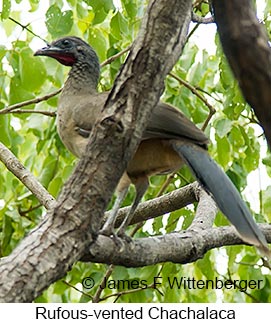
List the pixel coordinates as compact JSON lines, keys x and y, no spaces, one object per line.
{"x":245,"y":43}
{"x":70,"y":228}
{"x":185,"y":247}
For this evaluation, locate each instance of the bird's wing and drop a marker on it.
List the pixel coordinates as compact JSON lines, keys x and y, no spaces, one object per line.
{"x":169,"y":123}
{"x":166,"y":122}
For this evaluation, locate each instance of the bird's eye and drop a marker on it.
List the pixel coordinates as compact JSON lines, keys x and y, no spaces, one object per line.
{"x":66,"y":42}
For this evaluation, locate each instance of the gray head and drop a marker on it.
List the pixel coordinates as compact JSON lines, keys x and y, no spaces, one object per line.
{"x":73,"y":51}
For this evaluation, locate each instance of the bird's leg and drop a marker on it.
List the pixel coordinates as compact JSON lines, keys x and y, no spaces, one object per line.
{"x":141,"y":185}
{"x":108,"y":227}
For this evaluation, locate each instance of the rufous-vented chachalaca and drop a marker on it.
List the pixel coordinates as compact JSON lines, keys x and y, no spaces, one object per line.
{"x":169,"y":140}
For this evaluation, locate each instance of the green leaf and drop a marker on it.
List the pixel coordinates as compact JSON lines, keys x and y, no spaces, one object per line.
{"x":118,"y":25}
{"x":32,"y":70}
{"x":223,"y":151}
{"x":55,"y":186}
{"x":157,"y":225}
{"x":98,"y":40}
{"x":6,"y":6}
{"x":226,"y":75}
{"x":130,"y":7}
{"x":237,"y":175}
{"x":58,"y":23}
{"x":49,"y":168}
{"x":266,"y":200}
{"x":205,"y":8}
{"x":223,"y":127}
{"x":236,"y":137}
{"x":7,"y":234}
{"x":4,"y":133}
{"x":96,"y":4}
{"x":34,"y":4}
{"x":205,"y":265}
{"x":99,"y":16}
{"x":17,"y":92}
{"x":101,"y":9}
{"x":2,"y":52}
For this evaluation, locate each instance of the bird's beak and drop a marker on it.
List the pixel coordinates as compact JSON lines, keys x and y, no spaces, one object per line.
{"x":64,"y":57}
{"x":49,"y":50}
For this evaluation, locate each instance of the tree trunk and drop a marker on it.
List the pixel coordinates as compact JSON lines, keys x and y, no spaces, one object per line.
{"x":246,"y":45}
{"x":69,"y":229}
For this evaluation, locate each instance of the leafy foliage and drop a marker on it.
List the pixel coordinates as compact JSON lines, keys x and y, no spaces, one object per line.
{"x":110,"y":26}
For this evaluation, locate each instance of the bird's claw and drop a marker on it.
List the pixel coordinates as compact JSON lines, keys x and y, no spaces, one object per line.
{"x":124,"y":236}
{"x":120,"y":238}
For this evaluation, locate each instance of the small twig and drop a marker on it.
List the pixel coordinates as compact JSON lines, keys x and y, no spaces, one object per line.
{"x":209,"y":117}
{"x":46,"y":113}
{"x":96,"y":298}
{"x":193,"y":90}
{"x":165,"y":184}
{"x":209,"y":94}
{"x":31,"y":209}
{"x":201,"y":97}
{"x":75,"y":288}
{"x":130,"y":291}
{"x":29,"y":102}
{"x":192,"y":32}
{"x":114,"y":57}
{"x":25,"y":27}
{"x":255,"y":300}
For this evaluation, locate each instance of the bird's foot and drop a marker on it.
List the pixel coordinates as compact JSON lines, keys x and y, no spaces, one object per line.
{"x":106,"y":231}
{"x":125,"y":237}
{"x":117,"y":240}
{"x":120,"y":238}
{"x":121,"y":233}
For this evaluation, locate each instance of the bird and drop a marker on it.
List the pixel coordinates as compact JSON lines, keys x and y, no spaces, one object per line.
{"x":169,"y":141}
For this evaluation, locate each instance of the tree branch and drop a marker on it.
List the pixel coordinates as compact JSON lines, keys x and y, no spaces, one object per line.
{"x":29,"y":102}
{"x":185,"y":247}
{"x":45,"y":113}
{"x":206,"y":211}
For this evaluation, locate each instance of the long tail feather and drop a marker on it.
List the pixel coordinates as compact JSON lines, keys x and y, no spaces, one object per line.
{"x":228,"y":199}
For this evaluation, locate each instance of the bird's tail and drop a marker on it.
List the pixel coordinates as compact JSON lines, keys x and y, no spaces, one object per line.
{"x":228,"y":199}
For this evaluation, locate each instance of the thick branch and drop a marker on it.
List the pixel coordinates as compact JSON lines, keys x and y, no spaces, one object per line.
{"x":185,"y":247}
{"x":206,"y":211}
{"x":245,"y":43}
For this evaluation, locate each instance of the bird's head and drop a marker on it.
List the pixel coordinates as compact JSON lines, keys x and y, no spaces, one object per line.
{"x":68,"y":51}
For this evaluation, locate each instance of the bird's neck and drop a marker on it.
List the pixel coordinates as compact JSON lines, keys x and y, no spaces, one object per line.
{"x":83,"y":78}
